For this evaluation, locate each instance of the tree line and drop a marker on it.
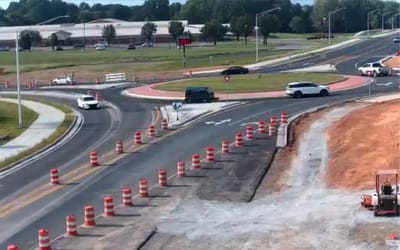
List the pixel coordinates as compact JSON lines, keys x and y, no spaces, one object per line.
{"x":239,"y":14}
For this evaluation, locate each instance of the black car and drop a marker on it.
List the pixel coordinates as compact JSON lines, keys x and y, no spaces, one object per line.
{"x":235,"y":70}
{"x":198,"y":94}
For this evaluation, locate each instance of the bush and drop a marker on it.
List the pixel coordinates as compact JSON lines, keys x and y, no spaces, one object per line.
{"x":324,"y":36}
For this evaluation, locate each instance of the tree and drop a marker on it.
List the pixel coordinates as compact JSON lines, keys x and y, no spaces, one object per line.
{"x":214,"y":30}
{"x":29,"y":37}
{"x":297,"y":24}
{"x":148,"y":30}
{"x":53,"y":41}
{"x":108,"y":33}
{"x":156,"y":9}
{"x":175,"y":29}
{"x":235,"y":27}
{"x":241,"y":26}
{"x":268,"y":25}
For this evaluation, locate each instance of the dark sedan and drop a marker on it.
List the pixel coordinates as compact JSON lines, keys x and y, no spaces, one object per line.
{"x":235,"y":70}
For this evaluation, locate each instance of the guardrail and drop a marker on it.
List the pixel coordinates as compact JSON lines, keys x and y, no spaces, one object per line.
{"x":115,"y":77}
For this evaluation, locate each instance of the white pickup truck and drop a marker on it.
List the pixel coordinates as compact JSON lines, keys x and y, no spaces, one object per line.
{"x":373,"y":69}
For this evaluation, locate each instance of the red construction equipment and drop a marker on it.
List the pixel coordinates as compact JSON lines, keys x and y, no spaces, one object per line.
{"x":137,"y":139}
{"x":54,"y":176}
{"x":108,"y":208}
{"x":12,"y":247}
{"x":238,"y":140}
{"x":151,"y":131}
{"x":283,"y":119}
{"x":143,"y":189}
{"x":164,"y":124}
{"x":43,"y":240}
{"x":71,"y":227}
{"x":261,"y":127}
{"x":93,"y":159}
{"x":162,"y":178}
{"x":196,"y":162}
{"x":225,"y":146}
{"x":89,"y":217}
{"x":209,"y":154}
{"x":181,"y":169}
{"x":385,"y":199}
{"x":249,"y":133}
{"x":98,"y":96}
{"x":119,"y":148}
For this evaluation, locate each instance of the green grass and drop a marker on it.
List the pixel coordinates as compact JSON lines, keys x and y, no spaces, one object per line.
{"x":251,"y":83}
{"x":159,"y":58}
{"x":60,"y":131}
{"x":9,"y":120}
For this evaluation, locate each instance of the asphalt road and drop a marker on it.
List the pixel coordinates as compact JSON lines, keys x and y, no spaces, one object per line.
{"x":21,"y":227}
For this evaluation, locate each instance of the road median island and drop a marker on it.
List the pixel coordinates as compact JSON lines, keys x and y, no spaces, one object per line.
{"x":61,"y":131}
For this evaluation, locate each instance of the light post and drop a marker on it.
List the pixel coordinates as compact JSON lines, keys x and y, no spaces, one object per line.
{"x":393,"y":20}
{"x":383,"y":19}
{"x":17,"y":67}
{"x":368,"y":17}
{"x":258,"y":15}
{"x":329,"y":22}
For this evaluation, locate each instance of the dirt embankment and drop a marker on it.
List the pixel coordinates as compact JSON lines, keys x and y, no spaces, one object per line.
{"x":361,"y":143}
{"x":394,"y":62}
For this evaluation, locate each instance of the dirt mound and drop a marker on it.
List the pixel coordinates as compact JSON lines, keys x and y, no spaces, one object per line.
{"x":393,"y":62}
{"x":361,"y":143}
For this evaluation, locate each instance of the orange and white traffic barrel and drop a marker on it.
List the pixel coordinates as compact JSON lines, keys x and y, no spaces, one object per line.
{"x":71,"y":226}
{"x":108,"y":203}
{"x":196,"y":161}
{"x":98,"y":96}
{"x":137,"y":138}
{"x":54,"y":176}
{"x":261,"y":127}
{"x":119,"y":148}
{"x":164,"y":124}
{"x":162,"y":178}
{"x":284,"y":117}
{"x":225,"y":146}
{"x":209,"y":154}
{"x":249,"y":133}
{"x":390,"y":71}
{"x":126,"y":197}
{"x":238,"y":140}
{"x":180,"y":166}
{"x":143,"y":188}
{"x":43,"y":240}
{"x":89,"y":217}
{"x":271,"y":129}
{"x":12,"y":247}
{"x":273,"y":120}
{"x":93,"y":159}
{"x":151,"y":131}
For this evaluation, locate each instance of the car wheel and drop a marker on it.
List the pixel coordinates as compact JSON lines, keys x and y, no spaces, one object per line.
{"x":324,"y":92}
{"x":298,"y":94}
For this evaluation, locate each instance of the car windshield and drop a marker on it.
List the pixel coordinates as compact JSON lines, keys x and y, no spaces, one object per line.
{"x":88,"y":99}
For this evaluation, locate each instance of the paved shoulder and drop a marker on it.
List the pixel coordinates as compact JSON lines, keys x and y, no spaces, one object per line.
{"x":49,"y":118}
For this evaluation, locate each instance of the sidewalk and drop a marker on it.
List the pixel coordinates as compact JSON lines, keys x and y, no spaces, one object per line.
{"x":48,"y":120}
{"x":148,"y":92}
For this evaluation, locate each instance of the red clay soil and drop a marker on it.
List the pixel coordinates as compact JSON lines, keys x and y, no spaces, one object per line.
{"x":362,"y":142}
{"x":394,"y":62}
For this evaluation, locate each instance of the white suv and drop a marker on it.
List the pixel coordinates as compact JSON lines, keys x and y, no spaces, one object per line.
{"x":299,"y":89}
{"x":63,"y":80}
{"x":88,"y":102}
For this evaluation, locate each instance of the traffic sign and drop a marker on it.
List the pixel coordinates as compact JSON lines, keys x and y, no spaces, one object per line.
{"x":227,"y":78}
{"x":176,"y":105}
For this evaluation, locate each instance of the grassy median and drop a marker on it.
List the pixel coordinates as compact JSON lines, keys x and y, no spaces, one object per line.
{"x":60,"y":131}
{"x":251,"y":82}
{"x":9,"y":120}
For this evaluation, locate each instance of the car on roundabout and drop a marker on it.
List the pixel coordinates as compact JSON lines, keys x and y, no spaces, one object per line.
{"x":88,"y":102}
{"x":63,"y":80}
{"x":235,"y":70}
{"x":300,"y":89}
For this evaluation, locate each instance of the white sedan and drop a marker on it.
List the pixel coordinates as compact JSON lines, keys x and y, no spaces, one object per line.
{"x":88,"y":102}
{"x":63,"y":80}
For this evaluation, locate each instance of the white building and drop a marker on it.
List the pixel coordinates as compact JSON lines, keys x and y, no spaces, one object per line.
{"x":91,"y":32}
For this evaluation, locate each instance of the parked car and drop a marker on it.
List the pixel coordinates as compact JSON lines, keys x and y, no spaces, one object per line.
{"x":396,"y":39}
{"x":100,"y":47}
{"x":147,"y":45}
{"x":198,"y":94}
{"x":131,"y":46}
{"x":88,"y":102}
{"x":63,"y":80}
{"x":375,"y":69}
{"x":6,"y":48}
{"x":235,"y":70}
{"x":300,"y":89}
{"x":79,"y":45}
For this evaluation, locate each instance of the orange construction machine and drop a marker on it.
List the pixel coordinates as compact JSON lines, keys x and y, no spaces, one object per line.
{"x":385,"y":201}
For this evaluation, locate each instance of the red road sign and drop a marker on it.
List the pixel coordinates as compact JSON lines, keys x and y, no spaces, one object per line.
{"x":227,"y":78}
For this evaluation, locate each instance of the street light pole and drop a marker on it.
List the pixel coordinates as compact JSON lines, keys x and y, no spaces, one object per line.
{"x":329,"y":22}
{"x":17,"y":68}
{"x":256,"y":28}
{"x":18,"y":83}
{"x":383,"y":19}
{"x":369,"y":13}
{"x":393,"y":20}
